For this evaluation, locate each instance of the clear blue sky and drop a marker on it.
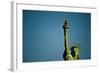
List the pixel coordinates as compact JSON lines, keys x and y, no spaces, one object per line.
{"x":43,"y":36}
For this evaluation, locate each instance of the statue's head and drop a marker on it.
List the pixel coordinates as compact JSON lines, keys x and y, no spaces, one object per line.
{"x":75,"y":51}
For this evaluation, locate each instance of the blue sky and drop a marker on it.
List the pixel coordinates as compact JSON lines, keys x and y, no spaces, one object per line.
{"x":43,"y":36}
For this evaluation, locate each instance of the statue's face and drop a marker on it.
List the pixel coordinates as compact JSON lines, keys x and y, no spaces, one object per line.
{"x":76,"y":50}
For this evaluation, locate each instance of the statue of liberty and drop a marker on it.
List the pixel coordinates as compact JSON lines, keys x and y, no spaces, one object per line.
{"x":73,"y":53}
